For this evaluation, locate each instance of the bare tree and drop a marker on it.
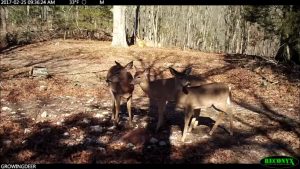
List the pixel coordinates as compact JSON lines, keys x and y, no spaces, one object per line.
{"x":119,"y":34}
{"x":3,"y":29}
{"x":206,"y":28}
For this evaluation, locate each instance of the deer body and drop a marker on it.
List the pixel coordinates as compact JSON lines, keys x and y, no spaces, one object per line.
{"x":119,"y":83}
{"x":160,"y":91}
{"x":167,"y":88}
{"x":215,"y":95}
{"x":140,"y":43}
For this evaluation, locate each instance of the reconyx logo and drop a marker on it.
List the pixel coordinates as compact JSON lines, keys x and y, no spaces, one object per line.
{"x":279,"y":162}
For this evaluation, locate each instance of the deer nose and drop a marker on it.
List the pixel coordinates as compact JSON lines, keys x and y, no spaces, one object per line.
{"x":188,"y":84}
{"x":107,"y":81}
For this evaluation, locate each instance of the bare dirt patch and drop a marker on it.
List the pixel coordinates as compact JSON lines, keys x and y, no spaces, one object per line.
{"x":66,"y":118}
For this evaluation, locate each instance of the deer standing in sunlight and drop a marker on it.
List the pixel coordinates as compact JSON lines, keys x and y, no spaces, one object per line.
{"x":119,"y":82}
{"x":140,"y":42}
{"x":162,"y":90}
{"x":216,"y":95}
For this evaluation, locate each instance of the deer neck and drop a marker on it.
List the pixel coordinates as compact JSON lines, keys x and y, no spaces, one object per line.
{"x":145,"y":85}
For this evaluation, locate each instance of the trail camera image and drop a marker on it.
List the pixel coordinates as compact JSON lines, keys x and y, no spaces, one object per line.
{"x":149,"y":84}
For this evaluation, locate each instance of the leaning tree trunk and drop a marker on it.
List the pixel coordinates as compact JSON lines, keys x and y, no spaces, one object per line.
{"x":119,"y":34}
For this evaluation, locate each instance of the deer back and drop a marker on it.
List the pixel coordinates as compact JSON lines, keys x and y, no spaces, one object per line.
{"x":217,"y":94}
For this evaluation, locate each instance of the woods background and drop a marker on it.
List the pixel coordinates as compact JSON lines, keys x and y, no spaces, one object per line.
{"x":271,"y":31}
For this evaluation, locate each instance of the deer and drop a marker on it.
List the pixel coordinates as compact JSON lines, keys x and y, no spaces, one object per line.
{"x":119,"y":81}
{"x":161,"y":90}
{"x":216,"y":95}
{"x":140,"y":42}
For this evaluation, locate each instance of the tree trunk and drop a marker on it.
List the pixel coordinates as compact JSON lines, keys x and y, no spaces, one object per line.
{"x":27,"y":10}
{"x":76,"y":18}
{"x":119,"y":34}
{"x":3,"y":20}
{"x":3,"y":29}
{"x":136,"y":23}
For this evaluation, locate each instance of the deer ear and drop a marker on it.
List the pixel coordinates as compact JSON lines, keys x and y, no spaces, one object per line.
{"x":187,"y":71}
{"x":129,"y":65}
{"x":136,"y":69}
{"x":117,"y":63}
{"x":173,"y":71}
{"x":147,"y":71}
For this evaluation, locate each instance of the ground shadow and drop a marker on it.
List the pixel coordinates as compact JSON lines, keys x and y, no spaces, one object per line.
{"x":77,"y":140}
{"x":252,"y":62}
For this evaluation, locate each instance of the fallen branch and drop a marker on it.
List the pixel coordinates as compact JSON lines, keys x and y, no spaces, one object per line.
{"x":63,"y":73}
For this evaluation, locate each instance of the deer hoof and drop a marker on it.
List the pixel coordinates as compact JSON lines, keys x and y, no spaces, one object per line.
{"x":116,"y":122}
{"x":130,"y":124}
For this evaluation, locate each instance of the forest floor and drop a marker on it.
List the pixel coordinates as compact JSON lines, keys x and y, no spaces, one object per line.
{"x":66,"y":118}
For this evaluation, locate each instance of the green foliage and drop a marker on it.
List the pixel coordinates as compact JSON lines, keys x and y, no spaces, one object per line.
{"x":93,"y":18}
{"x":291,"y":24}
{"x":265,"y":16}
{"x":283,"y":21}
{"x":27,"y":24}
{"x":17,"y":15}
{"x":38,"y":18}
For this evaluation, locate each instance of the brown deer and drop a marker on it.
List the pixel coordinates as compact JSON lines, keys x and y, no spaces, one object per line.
{"x":162,"y":90}
{"x":216,"y":95}
{"x":119,"y":83}
{"x":140,"y":42}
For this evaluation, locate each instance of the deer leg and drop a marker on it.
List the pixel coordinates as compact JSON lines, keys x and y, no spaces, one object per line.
{"x":117,"y":102}
{"x":161,"y":109}
{"x":192,"y":124}
{"x":194,"y":121}
{"x":188,"y":115}
{"x":129,"y":101}
{"x":230,"y":120}
{"x":219,"y":119}
{"x":113,"y":108}
{"x":195,"y":124}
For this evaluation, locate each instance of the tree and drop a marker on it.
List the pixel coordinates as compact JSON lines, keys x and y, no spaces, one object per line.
{"x":3,"y":29}
{"x":119,"y":34}
{"x":289,"y":35}
{"x":283,"y":21}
